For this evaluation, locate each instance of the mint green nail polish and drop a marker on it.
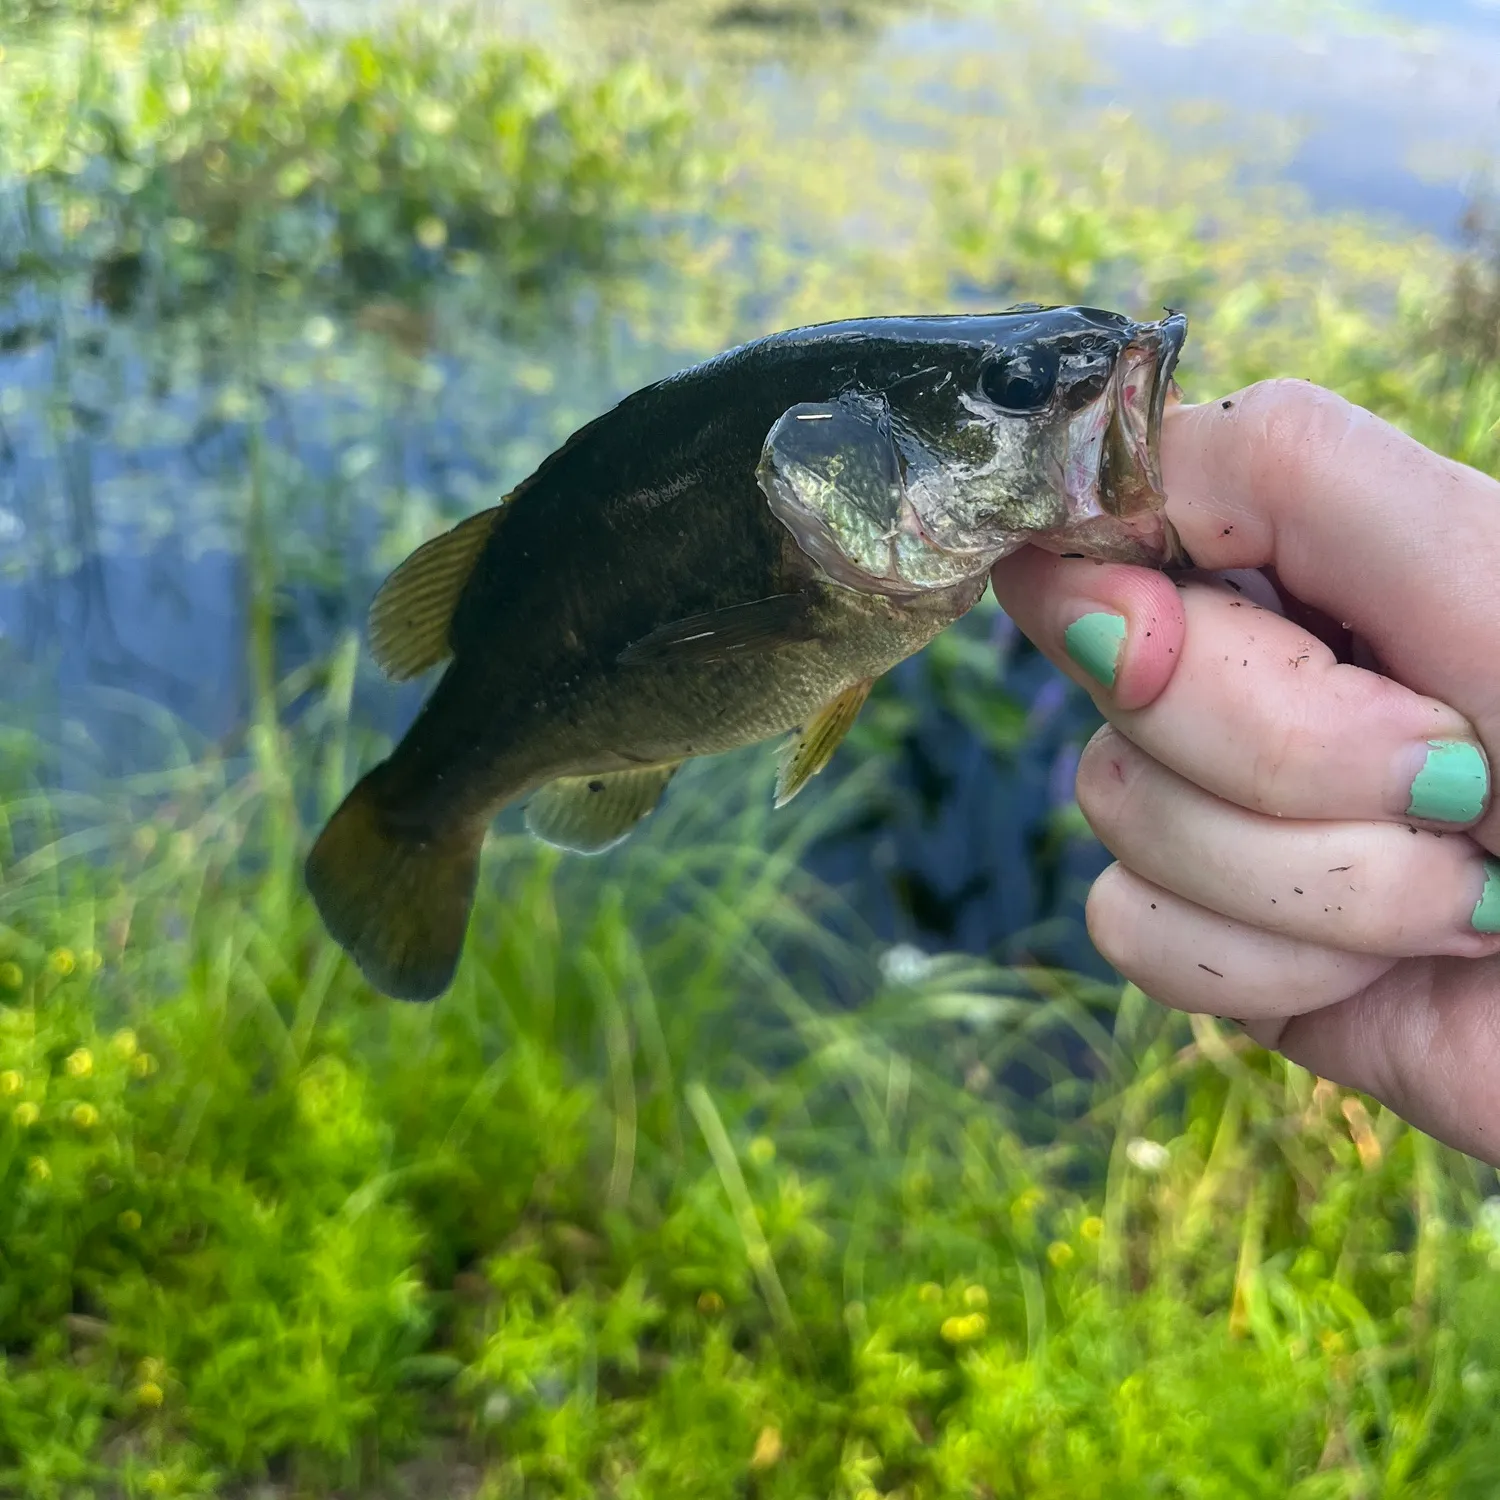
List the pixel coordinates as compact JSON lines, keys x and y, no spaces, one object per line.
{"x":1451,"y":786}
{"x":1486,"y":916}
{"x":1095,"y":642}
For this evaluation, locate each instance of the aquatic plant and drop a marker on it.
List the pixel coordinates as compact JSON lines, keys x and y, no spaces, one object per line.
{"x":637,"y":1210}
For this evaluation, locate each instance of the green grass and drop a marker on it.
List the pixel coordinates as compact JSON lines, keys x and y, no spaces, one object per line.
{"x":686,"y":1189}
{"x":644,"y":1208}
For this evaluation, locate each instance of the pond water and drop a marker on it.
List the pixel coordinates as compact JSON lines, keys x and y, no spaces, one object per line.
{"x":135,"y":604}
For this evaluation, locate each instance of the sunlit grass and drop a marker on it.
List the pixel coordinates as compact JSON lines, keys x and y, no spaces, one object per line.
{"x":676,"y":1191}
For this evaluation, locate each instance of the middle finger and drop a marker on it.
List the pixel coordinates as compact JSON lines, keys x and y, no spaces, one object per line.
{"x":1256,"y":709}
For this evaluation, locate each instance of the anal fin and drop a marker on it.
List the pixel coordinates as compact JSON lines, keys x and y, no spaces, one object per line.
{"x":588,"y":814}
{"x":413,"y":608}
{"x":813,"y":748}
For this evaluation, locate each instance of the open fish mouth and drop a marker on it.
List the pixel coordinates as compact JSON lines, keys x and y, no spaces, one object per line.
{"x":1111,"y":472}
{"x":1142,"y":382}
{"x":1129,"y":481}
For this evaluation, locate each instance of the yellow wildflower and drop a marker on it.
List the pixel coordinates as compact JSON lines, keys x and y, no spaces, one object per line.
{"x":62,"y":962}
{"x":710,"y":1303}
{"x":976,"y":1296}
{"x":85,"y":1116}
{"x":80,"y":1064}
{"x":1059,"y":1252}
{"x":964,"y":1330}
{"x":124,"y":1044}
{"x":39,"y":1169}
{"x":150,"y":1394}
{"x":26,"y":1115}
{"x":1029,"y":1201}
{"x":10,"y":1082}
{"x":1092,"y":1227}
{"x":11,"y":977}
{"x":930,"y":1291}
{"x":129,"y":1221}
{"x":767,"y":1448}
{"x":762,"y":1150}
{"x":143,"y":1065}
{"x":91,"y":960}
{"x":432,"y":233}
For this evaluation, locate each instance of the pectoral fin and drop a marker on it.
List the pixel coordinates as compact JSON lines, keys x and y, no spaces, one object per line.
{"x":813,"y":748}
{"x":757,"y":626}
{"x":588,"y":814}
{"x":413,"y":608}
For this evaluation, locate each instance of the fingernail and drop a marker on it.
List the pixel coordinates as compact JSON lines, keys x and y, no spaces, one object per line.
{"x":1452,"y":784}
{"x":1095,"y":641}
{"x":1486,"y":916}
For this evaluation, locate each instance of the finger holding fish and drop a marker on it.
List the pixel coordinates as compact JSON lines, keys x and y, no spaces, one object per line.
{"x":1186,"y":956}
{"x":1245,"y":703}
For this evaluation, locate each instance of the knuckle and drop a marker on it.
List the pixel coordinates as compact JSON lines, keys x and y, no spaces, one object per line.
{"x":1300,"y":431}
{"x":1284,"y":765}
{"x":1111,"y":919}
{"x":1274,"y":765}
{"x":1109,"y":773}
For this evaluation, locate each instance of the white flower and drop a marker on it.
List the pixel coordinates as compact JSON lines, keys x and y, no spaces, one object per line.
{"x":1487,"y":1219}
{"x":319,"y":331}
{"x":1147,"y":1156}
{"x":905,"y":964}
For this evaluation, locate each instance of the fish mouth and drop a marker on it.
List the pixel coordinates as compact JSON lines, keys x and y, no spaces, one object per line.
{"x":1142,"y":382}
{"x":1130,"y":483}
{"x":1111,"y":473}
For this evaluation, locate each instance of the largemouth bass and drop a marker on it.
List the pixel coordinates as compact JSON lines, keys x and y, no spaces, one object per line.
{"x":730,"y":554}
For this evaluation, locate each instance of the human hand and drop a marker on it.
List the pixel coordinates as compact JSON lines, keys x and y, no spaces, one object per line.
{"x":1304,"y":845}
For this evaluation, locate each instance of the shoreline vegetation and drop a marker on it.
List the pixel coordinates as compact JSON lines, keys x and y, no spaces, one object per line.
{"x":689,"y":1188}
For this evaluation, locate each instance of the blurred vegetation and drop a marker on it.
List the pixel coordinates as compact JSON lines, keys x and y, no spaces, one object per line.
{"x":634,"y":1211}
{"x":689,"y":1188}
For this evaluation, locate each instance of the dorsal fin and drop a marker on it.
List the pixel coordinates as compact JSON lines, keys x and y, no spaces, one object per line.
{"x":413,"y":608}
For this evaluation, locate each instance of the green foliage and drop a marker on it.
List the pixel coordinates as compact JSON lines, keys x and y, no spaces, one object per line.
{"x":634,"y":1212}
{"x":380,"y":158}
{"x":683,"y":1190}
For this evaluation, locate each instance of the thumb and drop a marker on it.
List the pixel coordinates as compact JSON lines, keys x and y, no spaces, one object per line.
{"x":1115,"y":629}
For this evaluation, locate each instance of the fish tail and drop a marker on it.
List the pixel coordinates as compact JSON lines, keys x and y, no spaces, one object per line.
{"x":394,"y":895}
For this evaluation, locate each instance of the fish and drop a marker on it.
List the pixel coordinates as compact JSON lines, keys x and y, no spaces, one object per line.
{"x":732,"y":554}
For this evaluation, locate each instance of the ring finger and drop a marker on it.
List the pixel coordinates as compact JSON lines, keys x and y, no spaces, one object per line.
{"x":1379,"y":888}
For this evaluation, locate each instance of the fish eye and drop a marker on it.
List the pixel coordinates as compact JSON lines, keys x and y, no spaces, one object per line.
{"x":1022,"y":381}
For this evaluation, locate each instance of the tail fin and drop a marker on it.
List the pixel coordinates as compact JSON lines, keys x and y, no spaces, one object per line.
{"x":396,"y":900}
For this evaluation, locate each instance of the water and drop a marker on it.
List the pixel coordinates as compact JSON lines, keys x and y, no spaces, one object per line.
{"x":126,"y":535}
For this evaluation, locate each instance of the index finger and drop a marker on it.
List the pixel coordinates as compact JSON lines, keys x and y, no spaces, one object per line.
{"x":1360,"y":521}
